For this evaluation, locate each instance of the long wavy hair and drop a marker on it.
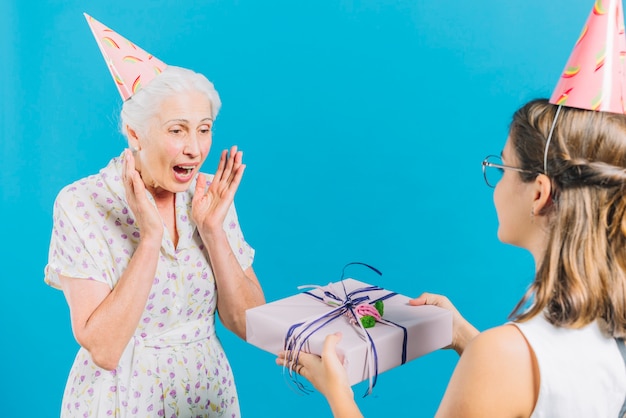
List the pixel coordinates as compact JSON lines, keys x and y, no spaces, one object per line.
{"x":582,"y":277}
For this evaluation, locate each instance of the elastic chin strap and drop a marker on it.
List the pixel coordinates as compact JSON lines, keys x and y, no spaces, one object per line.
{"x":545,"y":152}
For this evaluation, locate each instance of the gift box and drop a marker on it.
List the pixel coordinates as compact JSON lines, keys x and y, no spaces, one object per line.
{"x":407,"y":332}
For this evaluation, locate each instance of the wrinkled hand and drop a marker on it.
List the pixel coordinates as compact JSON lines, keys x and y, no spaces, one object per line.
{"x":462,"y":330}
{"x":210,"y":205}
{"x":147,"y":216}
{"x":326,"y":373}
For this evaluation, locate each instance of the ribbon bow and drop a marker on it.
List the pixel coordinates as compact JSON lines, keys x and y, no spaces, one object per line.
{"x":344,"y":303}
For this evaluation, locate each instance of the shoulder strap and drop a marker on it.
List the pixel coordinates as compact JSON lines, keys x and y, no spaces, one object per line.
{"x":622,"y":350}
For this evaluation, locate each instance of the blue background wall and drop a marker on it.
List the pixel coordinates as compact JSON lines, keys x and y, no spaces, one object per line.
{"x":363,"y":124}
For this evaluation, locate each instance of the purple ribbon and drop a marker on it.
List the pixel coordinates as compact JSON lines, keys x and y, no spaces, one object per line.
{"x":298,"y":334}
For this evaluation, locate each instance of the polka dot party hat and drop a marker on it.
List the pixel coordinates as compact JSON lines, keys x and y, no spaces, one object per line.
{"x":131,"y":67}
{"x":594,"y":77}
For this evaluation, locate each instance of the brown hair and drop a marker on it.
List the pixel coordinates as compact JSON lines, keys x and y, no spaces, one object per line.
{"x":583,"y":274}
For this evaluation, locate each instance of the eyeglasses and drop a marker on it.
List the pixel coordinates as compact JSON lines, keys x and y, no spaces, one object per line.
{"x":493,"y":169}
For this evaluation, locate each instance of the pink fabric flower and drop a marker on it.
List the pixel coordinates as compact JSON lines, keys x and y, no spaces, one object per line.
{"x":367,"y":309}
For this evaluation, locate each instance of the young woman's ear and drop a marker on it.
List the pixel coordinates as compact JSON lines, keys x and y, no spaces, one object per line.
{"x":542,"y":197}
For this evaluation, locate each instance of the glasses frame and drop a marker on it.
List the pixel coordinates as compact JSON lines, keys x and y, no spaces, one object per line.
{"x":486,"y":163}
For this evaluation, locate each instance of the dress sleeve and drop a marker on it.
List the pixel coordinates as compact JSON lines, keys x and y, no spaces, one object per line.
{"x":74,"y":246}
{"x":242,"y":250}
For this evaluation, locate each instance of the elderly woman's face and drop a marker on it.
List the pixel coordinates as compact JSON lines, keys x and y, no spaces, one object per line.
{"x":177,"y":143}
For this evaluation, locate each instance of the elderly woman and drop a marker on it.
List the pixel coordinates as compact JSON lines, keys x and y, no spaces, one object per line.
{"x":146,"y":251}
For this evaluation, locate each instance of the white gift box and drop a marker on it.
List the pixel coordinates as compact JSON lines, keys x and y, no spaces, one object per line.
{"x":428,"y":328}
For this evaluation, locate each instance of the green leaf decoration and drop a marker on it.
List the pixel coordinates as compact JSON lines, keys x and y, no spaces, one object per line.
{"x":380,"y":307}
{"x":368,"y":321}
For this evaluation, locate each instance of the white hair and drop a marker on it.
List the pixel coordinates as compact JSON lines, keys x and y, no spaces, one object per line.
{"x":140,"y":108}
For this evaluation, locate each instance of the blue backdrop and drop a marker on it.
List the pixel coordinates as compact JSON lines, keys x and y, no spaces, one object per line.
{"x":363,"y":123}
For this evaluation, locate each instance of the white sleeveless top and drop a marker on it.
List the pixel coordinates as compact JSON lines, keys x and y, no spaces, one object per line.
{"x":582,"y":372}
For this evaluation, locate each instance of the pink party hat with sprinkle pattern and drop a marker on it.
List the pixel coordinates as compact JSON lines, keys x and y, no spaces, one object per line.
{"x":131,"y":67}
{"x":594,"y":77}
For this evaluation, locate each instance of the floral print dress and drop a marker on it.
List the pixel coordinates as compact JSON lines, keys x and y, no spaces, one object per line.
{"x":174,"y":365}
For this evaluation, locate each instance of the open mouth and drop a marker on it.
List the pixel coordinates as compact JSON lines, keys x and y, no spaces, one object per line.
{"x":183,"y":170}
{"x":183,"y":173}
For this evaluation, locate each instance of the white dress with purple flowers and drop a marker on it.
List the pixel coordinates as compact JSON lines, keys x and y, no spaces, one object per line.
{"x":174,"y":365}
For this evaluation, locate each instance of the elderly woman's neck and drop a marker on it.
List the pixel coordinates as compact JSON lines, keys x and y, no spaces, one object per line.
{"x":166,"y":205}
{"x":162,"y":198}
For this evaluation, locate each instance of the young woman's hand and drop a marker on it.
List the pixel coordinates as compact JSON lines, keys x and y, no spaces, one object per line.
{"x":462,"y":331}
{"x":328,"y":375}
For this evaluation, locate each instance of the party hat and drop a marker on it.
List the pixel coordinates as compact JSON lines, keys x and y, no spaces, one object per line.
{"x":594,"y":77}
{"x":131,"y":67}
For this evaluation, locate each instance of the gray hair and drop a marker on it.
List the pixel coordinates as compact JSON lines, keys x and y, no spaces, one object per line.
{"x":144,"y":105}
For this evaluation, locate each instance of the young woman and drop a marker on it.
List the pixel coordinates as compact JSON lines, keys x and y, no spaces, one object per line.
{"x":564,"y":200}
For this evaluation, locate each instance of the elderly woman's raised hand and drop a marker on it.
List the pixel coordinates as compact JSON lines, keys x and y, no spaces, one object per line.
{"x":147,"y":216}
{"x":210,"y":205}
